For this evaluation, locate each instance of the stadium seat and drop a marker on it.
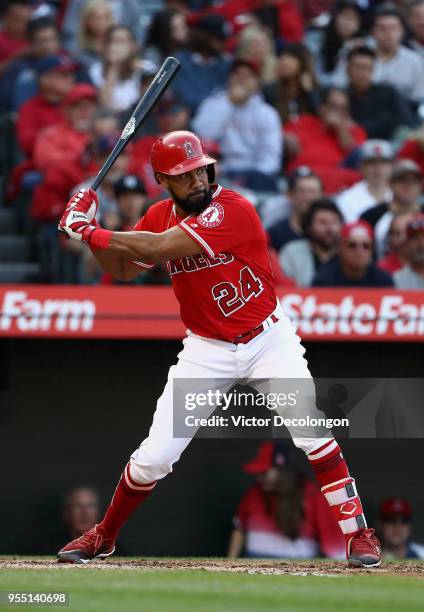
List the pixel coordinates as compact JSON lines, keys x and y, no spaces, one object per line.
{"x":7,"y":221}
{"x":14,"y":248}
{"x":21,"y":272}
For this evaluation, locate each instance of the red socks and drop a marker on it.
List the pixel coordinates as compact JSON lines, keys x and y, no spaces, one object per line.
{"x":338,"y":487}
{"x":128,"y":495}
{"x":328,"y":463}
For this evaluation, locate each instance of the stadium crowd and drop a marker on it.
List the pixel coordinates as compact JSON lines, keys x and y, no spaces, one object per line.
{"x":314,"y":109}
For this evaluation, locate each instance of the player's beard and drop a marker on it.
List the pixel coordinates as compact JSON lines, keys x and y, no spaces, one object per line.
{"x":193,"y":204}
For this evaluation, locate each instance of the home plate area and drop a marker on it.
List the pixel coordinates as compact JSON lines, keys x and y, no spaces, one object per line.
{"x":249,"y":566}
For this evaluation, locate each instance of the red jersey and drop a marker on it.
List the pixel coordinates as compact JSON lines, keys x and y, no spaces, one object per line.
{"x":319,"y":533}
{"x":35,"y":115}
{"x":10,"y":46}
{"x":228,"y":289}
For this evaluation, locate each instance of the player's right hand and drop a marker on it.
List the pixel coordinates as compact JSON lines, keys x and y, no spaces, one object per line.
{"x":85,"y":201}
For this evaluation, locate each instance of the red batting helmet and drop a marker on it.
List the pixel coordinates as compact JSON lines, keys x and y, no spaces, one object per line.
{"x":178,"y":152}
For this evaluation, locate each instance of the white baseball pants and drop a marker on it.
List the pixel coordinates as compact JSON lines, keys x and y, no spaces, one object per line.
{"x":274,"y":354}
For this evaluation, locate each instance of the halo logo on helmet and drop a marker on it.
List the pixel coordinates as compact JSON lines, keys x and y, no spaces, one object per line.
{"x":189,"y":150}
{"x":178,"y":152}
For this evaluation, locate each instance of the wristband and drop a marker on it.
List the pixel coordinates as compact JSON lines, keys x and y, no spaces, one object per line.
{"x":98,"y":238}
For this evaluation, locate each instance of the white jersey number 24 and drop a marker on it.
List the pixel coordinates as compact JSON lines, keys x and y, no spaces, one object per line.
{"x":231,"y":298}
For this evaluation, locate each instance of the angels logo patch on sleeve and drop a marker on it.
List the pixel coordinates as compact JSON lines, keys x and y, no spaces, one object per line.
{"x":212,"y":216}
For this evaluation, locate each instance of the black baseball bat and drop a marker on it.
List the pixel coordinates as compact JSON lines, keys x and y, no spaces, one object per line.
{"x":156,"y":89}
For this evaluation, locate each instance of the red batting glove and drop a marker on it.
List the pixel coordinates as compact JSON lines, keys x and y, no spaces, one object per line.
{"x":86,"y":201}
{"x":76,"y":225}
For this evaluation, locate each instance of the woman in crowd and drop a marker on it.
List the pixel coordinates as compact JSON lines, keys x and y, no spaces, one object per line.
{"x":345,"y":25}
{"x":295,"y":90}
{"x":96,"y":20}
{"x":117,"y":74}
{"x":255,"y":45}
{"x":168,"y":34}
{"x":283,"y":515}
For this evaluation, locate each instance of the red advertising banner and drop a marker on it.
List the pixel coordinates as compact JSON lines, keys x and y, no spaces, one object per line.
{"x":65,"y":311}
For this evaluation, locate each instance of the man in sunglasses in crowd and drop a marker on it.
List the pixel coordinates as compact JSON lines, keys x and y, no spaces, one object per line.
{"x":354,"y":266}
{"x":411,"y":276}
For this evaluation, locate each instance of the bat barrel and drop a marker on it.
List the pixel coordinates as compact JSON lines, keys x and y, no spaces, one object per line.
{"x":156,"y":89}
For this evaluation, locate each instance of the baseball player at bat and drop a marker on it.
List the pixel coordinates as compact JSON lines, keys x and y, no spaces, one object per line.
{"x":215,"y":250}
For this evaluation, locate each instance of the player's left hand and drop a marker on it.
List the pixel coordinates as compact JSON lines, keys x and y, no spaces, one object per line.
{"x":76,"y":224}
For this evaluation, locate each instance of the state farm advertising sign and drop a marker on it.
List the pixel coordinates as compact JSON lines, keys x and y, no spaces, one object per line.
{"x":153,"y":312}
{"x":89,"y":312}
{"x":334,"y":314}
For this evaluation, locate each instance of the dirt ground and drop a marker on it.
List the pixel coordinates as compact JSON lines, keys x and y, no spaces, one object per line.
{"x":250,"y":566}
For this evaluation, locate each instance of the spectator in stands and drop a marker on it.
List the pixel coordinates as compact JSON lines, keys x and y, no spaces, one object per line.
{"x":354,"y":266}
{"x":170,"y":114}
{"x":95,"y":21}
{"x":395,"y":64}
{"x":117,"y":75}
{"x":376,"y":162}
{"x":168,"y":34}
{"x":345,"y":25}
{"x":415,"y":20}
{"x":293,"y":93}
{"x":411,"y":276}
{"x":55,"y":79}
{"x":378,"y":108}
{"x":394,"y":260}
{"x":131,"y":198}
{"x":406,"y":184}
{"x":256,"y":45}
{"x":105,"y":122}
{"x":129,"y":13}
{"x":58,"y":153}
{"x":68,"y":154}
{"x":324,"y":143}
{"x":395,"y":529}
{"x":413,"y":148}
{"x":304,"y":187}
{"x":19,"y":82}
{"x":311,"y":9}
{"x":56,"y":76}
{"x":15,"y":15}
{"x":247,"y":129}
{"x":281,"y":18}
{"x":80,"y":511}
{"x":302,"y":259}
{"x":283,"y":515}
{"x":205,"y":67}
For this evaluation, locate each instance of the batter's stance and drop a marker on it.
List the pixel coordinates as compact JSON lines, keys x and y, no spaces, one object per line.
{"x":215,"y":249}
